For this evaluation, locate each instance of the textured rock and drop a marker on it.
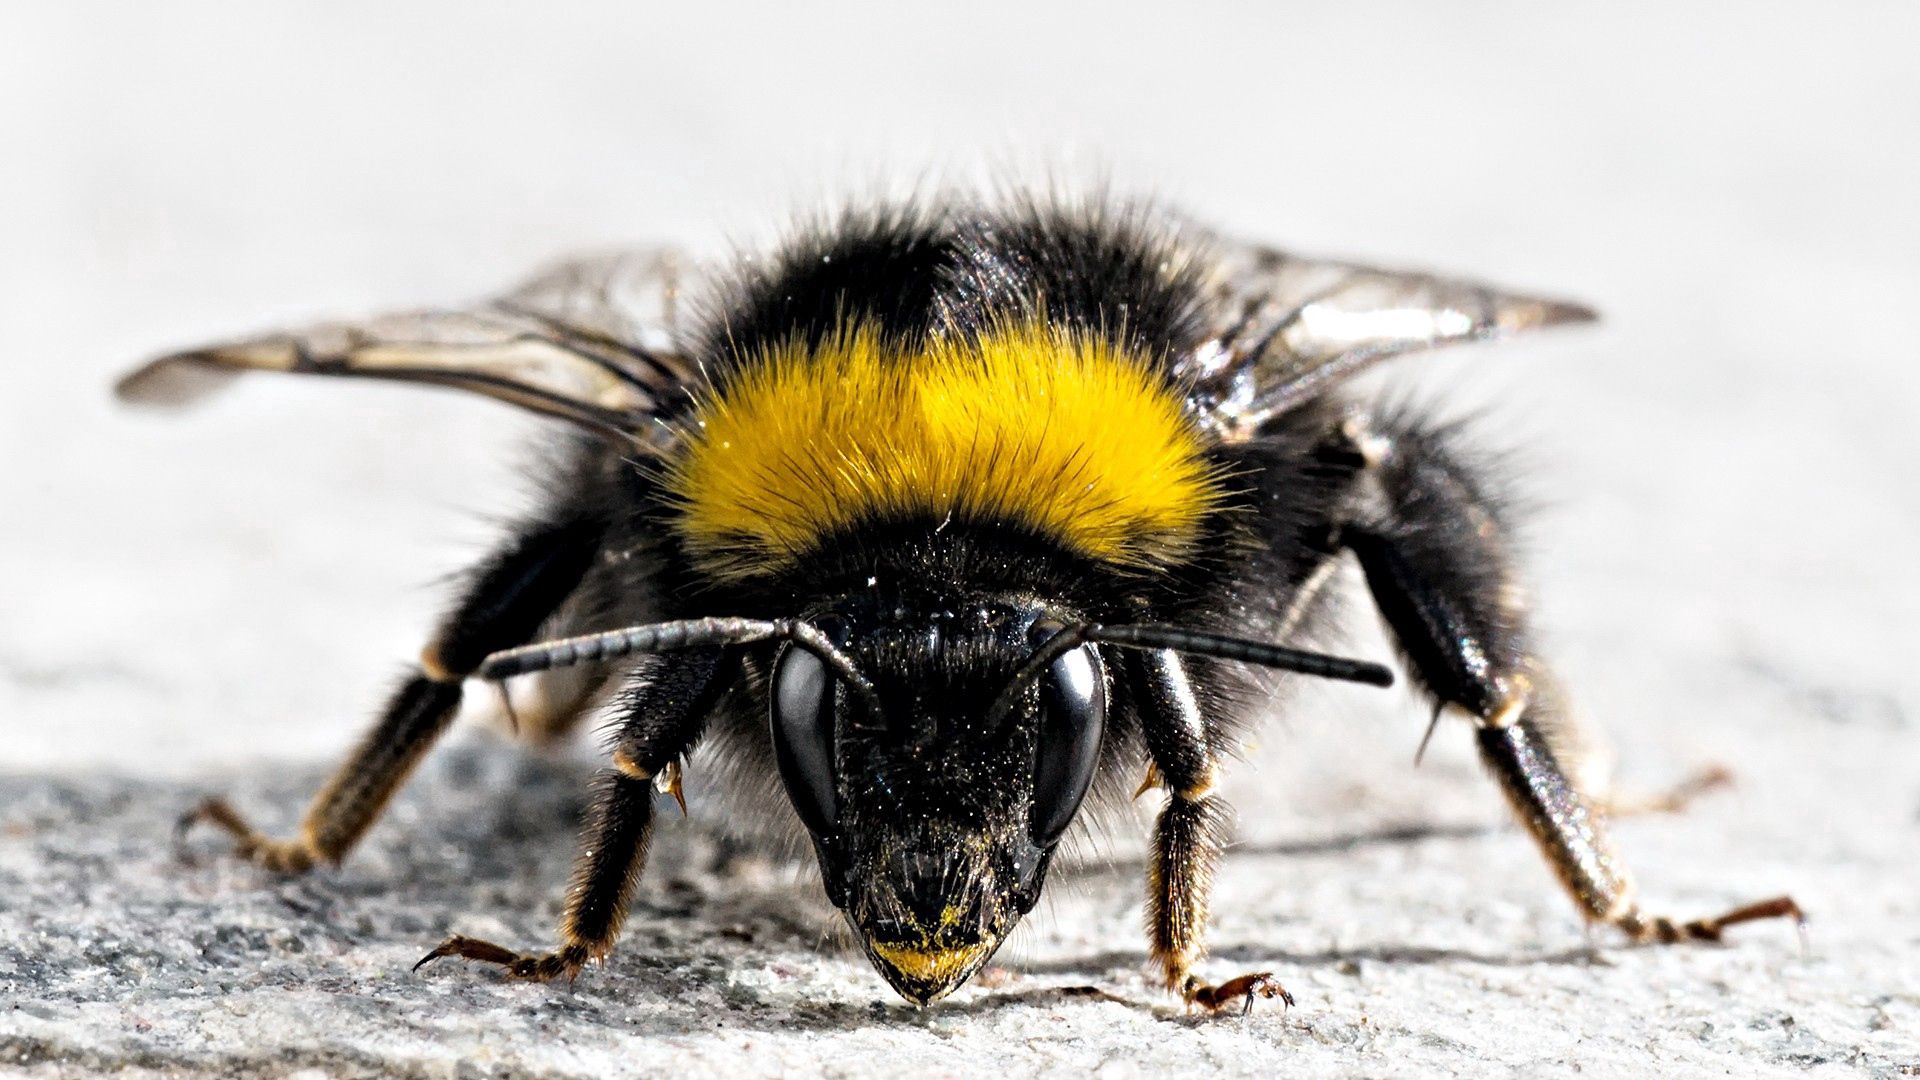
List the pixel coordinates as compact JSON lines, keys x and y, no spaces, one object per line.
{"x":1440,"y":946}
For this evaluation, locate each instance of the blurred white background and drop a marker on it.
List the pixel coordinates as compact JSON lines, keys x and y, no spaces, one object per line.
{"x":1728,"y":461}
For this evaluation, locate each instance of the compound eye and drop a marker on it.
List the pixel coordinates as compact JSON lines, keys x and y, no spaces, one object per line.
{"x":1073,"y":716}
{"x":802,"y":722}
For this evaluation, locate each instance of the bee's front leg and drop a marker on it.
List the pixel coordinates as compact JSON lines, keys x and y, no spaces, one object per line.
{"x":1188,"y":837}
{"x":613,"y":847}
{"x":665,"y":717}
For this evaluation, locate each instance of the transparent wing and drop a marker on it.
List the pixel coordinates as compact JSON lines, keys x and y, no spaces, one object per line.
{"x":1289,"y":328}
{"x":591,"y":340}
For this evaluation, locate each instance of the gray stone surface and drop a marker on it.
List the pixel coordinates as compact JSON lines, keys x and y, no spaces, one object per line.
{"x":1417,"y":935}
{"x":1724,"y":553}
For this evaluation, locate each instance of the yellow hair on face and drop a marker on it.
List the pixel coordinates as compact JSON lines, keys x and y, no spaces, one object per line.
{"x":930,"y":964}
{"x":1061,"y":433}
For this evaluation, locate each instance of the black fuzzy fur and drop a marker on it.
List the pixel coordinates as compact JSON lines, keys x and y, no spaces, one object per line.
{"x":1110,"y":270}
{"x":915,"y":268}
{"x":935,"y":607}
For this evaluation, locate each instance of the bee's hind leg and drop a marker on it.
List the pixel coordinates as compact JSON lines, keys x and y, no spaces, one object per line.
{"x":1673,"y":800}
{"x":510,"y":595}
{"x":1434,"y":550}
{"x":664,"y":716}
{"x":1188,"y":836}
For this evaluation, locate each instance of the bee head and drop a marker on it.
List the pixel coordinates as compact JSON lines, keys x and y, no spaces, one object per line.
{"x":936,"y":801}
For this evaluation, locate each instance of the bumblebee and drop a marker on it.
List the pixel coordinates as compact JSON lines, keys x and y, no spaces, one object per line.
{"x":946,"y":513}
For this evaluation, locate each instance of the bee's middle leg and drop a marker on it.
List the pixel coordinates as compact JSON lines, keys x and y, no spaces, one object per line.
{"x":509,"y":597}
{"x":1434,"y":551}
